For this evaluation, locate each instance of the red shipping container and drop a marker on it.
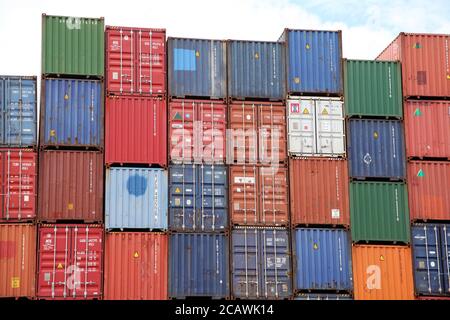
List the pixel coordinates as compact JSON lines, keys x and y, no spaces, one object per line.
{"x":72,"y":186}
{"x":18,"y":174}
{"x":429,"y":190}
{"x":135,"y":61}
{"x":259,"y":195}
{"x":425,"y":62}
{"x":319,"y":191}
{"x":135,"y":130}
{"x":197,"y":131}
{"x":427,"y":129}
{"x":70,"y":262}
{"x":258,"y":133}
{"x":136,"y":266}
{"x":17,"y":260}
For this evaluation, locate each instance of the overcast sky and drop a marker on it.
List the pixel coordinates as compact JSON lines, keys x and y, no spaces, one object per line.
{"x":368,"y":26}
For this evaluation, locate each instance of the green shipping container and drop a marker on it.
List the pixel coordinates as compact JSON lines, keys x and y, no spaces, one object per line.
{"x":379,"y":212}
{"x":73,"y":46}
{"x":373,"y":88}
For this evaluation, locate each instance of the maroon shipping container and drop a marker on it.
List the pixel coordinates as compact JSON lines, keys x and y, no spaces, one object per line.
{"x":70,"y":262}
{"x":72,"y":186}
{"x":197,"y":131}
{"x":258,"y":133}
{"x":136,"y":130}
{"x":135,"y":61}
{"x":18,"y":174}
{"x":425,"y":62}
{"x":429,"y":190}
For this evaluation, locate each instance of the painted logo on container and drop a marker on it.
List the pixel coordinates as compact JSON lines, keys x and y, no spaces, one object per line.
{"x":137,"y":185}
{"x":373,"y":277}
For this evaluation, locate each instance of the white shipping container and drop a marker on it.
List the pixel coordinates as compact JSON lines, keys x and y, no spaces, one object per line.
{"x":316,"y":126}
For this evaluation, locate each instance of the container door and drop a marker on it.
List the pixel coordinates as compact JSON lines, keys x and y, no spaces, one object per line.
{"x":301,"y":127}
{"x":150,"y":62}
{"x":272,"y":134}
{"x":211,"y":147}
{"x":273,"y":195}
{"x":121,"y":74}
{"x":244,"y":131}
{"x":182,"y":119}
{"x":244,"y":196}
{"x":445,"y":240}
{"x":182,"y":197}
{"x":330,"y":127}
{"x":427,"y":260}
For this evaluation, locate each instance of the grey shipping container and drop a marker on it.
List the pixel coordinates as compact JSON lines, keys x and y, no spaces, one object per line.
{"x":198,"y":265}
{"x":256,"y":70}
{"x":197,"y":68}
{"x":261,"y":263}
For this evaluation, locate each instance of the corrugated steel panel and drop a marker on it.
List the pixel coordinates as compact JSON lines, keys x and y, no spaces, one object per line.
{"x":197,"y":68}
{"x":197,"y":131}
{"x":135,"y":130}
{"x":431,"y":258}
{"x":198,"y":265}
{"x":73,"y":113}
{"x":427,"y":129}
{"x":259,"y":195}
{"x":316,"y":126}
{"x":373,"y":88}
{"x":313,"y":61}
{"x":261,"y":263}
{"x":376,"y":149}
{"x":73,"y":184}
{"x":18,"y":183}
{"x":257,"y":133}
{"x":323,"y":296}
{"x":382,"y":273}
{"x":323,"y":260}
{"x":425,"y":62}
{"x":379,"y":212}
{"x":136,"y":266}
{"x":136,"y":198}
{"x":72,"y":46}
{"x":428,"y":188}
{"x":70,"y":262}
{"x":256,"y":69}
{"x":135,"y":60}
{"x":198,"y":198}
{"x":319,"y":191}
{"x":17,"y":260}
{"x":18,"y":116}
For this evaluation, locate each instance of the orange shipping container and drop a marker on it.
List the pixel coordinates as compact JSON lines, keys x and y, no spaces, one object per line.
{"x":17,"y":260}
{"x":259,"y":195}
{"x":382,"y":273}
{"x":429,"y":190}
{"x":319,"y":191}
{"x":136,"y":266}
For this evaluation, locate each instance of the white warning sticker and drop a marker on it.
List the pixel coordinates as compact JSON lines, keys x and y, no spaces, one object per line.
{"x":26,"y":198}
{"x":335,"y":213}
{"x":115,"y":75}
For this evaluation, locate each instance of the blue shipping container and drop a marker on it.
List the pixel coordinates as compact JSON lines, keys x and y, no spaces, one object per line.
{"x":323,"y":296}
{"x":197,"y":68}
{"x":323,"y":260}
{"x":198,"y":265}
{"x":376,"y":149}
{"x":256,"y":70}
{"x":198,"y":198}
{"x":136,"y":198}
{"x":73,"y":113}
{"x":314,"y":61}
{"x":261,"y":264}
{"x":18,"y":111}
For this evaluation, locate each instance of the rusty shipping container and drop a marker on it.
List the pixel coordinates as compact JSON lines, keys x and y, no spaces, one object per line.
{"x":259,"y":195}
{"x":427,"y":129}
{"x":429,"y":190}
{"x":73,"y":186}
{"x":135,"y":130}
{"x":70,"y":262}
{"x":382,"y":273}
{"x":136,"y":266}
{"x":425,"y":62}
{"x":17,"y":260}
{"x":257,"y":133}
{"x":319,"y":191}
{"x":135,"y":61}
{"x":18,"y":183}
{"x":197,"y":131}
